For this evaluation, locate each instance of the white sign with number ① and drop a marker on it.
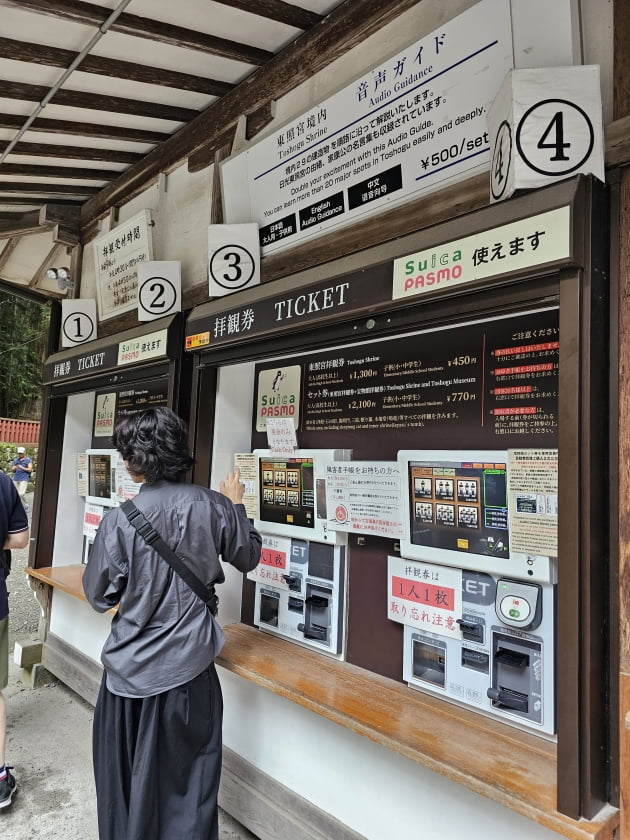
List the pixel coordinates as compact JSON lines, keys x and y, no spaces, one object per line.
{"x":78,"y":321}
{"x":159,"y":289}
{"x":545,"y":125}
{"x":233,"y":258}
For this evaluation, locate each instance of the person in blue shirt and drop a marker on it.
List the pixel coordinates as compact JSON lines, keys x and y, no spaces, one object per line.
{"x":13,"y":534}
{"x":22,"y":467}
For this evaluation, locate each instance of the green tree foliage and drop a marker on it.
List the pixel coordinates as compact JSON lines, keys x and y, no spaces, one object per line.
{"x":23,"y":336}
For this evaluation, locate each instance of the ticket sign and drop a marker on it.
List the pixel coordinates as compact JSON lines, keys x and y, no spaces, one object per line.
{"x":545,"y":125}
{"x":274,"y":562}
{"x":92,"y":516}
{"x":425,"y":596}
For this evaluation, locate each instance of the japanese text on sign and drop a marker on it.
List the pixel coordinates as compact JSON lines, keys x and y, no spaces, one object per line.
{"x":402,"y":128}
{"x":424,"y":596}
{"x":365,"y":497}
{"x":117,"y":255}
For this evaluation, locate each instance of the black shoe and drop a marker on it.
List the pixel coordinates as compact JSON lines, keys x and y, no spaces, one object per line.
{"x":8,"y":787}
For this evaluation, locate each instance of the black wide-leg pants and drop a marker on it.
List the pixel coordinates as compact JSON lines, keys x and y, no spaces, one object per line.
{"x":157,"y":762}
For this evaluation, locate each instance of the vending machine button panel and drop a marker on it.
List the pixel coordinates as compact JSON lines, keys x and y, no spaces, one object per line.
{"x":518,"y":603}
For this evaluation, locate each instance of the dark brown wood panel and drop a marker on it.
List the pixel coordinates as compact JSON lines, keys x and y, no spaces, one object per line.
{"x":101,"y":102}
{"x":8,"y":187}
{"x":51,"y":126}
{"x":276,"y":10}
{"x":624,"y":495}
{"x":91,"y":14}
{"x":204,"y":156}
{"x":621,"y":272}
{"x":48,"y":171}
{"x":71,"y":152}
{"x":113,"y":68}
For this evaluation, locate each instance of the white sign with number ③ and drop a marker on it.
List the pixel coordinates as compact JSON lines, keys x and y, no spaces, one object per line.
{"x":78,"y":321}
{"x":545,"y":125}
{"x":159,"y":289}
{"x":233,"y":258}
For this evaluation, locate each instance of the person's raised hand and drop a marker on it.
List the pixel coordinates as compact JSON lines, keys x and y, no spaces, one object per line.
{"x":233,"y":487}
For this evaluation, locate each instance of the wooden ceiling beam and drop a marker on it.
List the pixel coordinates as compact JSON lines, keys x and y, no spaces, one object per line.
{"x":8,"y":249}
{"x":26,"y":224}
{"x":85,"y":129}
{"x":55,"y":214}
{"x":11,"y":187}
{"x":92,"y":15}
{"x":112,"y":68}
{"x":345,"y":27}
{"x":62,"y":221}
{"x":47,"y":171}
{"x":276,"y":10}
{"x":204,"y":156}
{"x":71,"y":152}
{"x":96,"y":101}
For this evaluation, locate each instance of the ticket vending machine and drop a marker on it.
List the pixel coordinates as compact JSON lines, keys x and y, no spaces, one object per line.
{"x":107,"y":485}
{"x":301,"y":579}
{"x":300,"y":592}
{"x":101,"y":476}
{"x":478,"y":614}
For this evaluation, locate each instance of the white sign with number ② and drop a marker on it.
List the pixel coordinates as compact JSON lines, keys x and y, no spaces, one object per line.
{"x":159,"y":289}
{"x":545,"y":125}
{"x":233,"y":258}
{"x":78,"y":321}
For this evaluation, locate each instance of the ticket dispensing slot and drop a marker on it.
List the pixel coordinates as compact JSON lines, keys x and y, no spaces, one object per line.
{"x":429,"y":662}
{"x":500,"y":659}
{"x":516,"y":683}
{"x":305,"y":601}
{"x":269,"y":607}
{"x":317,"y":614}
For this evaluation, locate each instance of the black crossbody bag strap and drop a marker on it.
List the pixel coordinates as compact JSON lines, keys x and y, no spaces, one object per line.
{"x":151,"y":536}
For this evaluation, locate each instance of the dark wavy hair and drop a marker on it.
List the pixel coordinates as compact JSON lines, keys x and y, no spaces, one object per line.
{"x":154,"y":443}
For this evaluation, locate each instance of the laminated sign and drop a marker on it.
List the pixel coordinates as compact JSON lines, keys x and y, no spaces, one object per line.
{"x":545,"y":125}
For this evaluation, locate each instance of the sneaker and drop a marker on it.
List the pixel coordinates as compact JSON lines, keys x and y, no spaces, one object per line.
{"x":8,"y":787}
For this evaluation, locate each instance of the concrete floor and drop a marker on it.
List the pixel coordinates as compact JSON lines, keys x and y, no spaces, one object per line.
{"x":49,"y":743}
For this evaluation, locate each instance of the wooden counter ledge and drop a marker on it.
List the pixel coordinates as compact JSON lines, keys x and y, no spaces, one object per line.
{"x":66,"y":578}
{"x":502,"y":763}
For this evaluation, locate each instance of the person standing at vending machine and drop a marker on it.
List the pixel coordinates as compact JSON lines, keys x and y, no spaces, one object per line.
{"x":13,"y":534}
{"x":157,"y":723}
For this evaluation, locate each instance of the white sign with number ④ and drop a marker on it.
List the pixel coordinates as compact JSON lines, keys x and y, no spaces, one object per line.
{"x":545,"y":125}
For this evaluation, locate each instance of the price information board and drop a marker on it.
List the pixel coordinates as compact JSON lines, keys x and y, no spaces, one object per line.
{"x":499,"y":377}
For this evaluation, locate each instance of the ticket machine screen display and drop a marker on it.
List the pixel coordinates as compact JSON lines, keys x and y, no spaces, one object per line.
{"x":287,"y":493}
{"x":100,"y":477}
{"x":459,"y":506}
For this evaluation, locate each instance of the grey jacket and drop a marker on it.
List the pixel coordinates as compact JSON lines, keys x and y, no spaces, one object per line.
{"x":162,"y":634}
